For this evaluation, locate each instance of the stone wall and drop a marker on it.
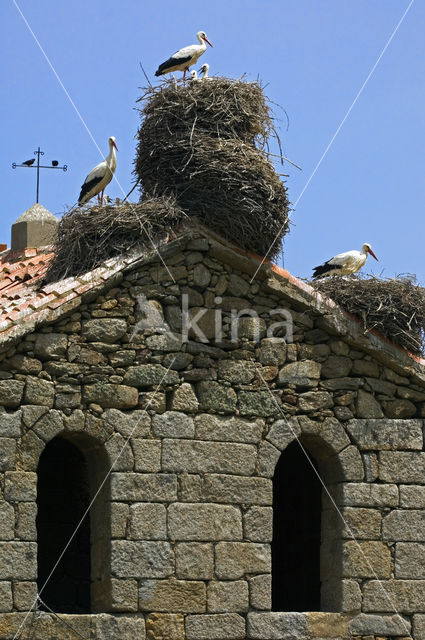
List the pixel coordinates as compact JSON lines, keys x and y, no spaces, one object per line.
{"x":186,"y":550}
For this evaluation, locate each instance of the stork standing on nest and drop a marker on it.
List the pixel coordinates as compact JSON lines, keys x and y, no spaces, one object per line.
{"x":204,"y":70}
{"x":100,"y":176}
{"x":186,"y":57}
{"x":344,"y":264}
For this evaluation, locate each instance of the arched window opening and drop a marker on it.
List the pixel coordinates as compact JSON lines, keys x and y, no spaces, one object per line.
{"x":69,"y":474}
{"x":63,"y":497}
{"x":297,"y":507}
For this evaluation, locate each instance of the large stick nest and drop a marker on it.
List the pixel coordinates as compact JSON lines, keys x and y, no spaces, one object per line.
{"x":395,"y":306}
{"x":88,"y":236}
{"x":203,"y":143}
{"x":219,"y":107}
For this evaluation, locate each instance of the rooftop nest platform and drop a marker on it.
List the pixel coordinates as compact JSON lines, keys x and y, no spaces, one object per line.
{"x":219,"y":107}
{"x":393,"y":306}
{"x":88,"y":236}
{"x":206,"y":144}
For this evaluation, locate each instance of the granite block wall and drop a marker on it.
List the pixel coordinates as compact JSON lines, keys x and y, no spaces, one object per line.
{"x":192,"y":431}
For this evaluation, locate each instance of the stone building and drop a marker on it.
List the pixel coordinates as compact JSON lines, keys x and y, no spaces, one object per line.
{"x":266,"y":484}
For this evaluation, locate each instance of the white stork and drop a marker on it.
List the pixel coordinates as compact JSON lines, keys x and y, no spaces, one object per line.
{"x":344,"y":263}
{"x":204,"y":70}
{"x":186,"y":57}
{"x":100,"y":176}
{"x":193,"y":75}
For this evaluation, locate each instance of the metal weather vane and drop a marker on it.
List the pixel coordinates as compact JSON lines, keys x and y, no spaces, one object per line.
{"x":29,"y":164}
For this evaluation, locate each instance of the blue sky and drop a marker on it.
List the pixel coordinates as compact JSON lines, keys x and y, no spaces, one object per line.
{"x":313,"y":55}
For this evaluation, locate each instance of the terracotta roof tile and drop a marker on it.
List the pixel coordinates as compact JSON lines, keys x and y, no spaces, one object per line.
{"x":62,"y":287}
{"x":4,"y":324}
{"x":23,"y":305}
{"x":82,"y":288}
{"x":37,"y":302}
{"x":61,"y":301}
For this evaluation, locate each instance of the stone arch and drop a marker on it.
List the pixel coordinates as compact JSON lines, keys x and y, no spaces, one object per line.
{"x":40,"y":425}
{"x":77,"y":474}
{"x":337,"y":461}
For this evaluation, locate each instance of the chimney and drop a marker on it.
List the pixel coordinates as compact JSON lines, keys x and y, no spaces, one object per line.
{"x":34,"y":228}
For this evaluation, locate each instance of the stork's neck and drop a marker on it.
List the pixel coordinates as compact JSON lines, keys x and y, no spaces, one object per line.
{"x":202,"y":42}
{"x":112,"y":157}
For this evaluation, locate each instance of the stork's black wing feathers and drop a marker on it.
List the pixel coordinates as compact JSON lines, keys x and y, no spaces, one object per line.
{"x":325,"y":268}
{"x":87,"y":186}
{"x":171,"y":62}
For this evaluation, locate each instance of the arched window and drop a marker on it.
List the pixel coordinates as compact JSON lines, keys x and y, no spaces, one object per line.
{"x":70,"y":472}
{"x":297,"y":508}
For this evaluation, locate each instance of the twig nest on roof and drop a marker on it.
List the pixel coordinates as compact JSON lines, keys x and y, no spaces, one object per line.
{"x":88,"y":236}
{"x":203,"y":144}
{"x":231,"y":188}
{"x":221,"y":108}
{"x":395,"y":306}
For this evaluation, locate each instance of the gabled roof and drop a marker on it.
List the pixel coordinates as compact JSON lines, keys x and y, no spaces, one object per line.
{"x":24,"y":306}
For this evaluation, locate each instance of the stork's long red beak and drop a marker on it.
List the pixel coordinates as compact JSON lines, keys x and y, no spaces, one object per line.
{"x":206,"y":40}
{"x":113,"y":142}
{"x":373,"y":255}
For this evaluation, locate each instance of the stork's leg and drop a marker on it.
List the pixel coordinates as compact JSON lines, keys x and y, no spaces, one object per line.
{"x":184,"y":76}
{"x":101,"y":197}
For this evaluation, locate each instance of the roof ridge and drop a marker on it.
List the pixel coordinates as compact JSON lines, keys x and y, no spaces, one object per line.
{"x":51,"y":301}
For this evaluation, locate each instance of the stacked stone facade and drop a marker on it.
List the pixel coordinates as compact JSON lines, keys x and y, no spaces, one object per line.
{"x":193,"y":431}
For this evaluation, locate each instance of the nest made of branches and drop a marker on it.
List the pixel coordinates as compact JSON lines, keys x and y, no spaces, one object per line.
{"x":394,"y":306}
{"x":88,"y":236}
{"x":204,"y":143}
{"x":227,"y":184}
{"x":220,"y":107}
